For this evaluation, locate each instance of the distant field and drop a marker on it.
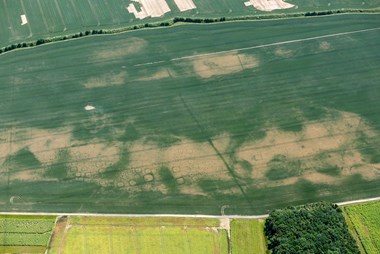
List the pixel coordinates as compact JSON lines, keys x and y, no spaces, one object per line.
{"x":364,"y":223}
{"x":56,"y":17}
{"x":247,"y":236}
{"x":140,"y":235}
{"x":25,"y":234}
{"x":143,"y":122}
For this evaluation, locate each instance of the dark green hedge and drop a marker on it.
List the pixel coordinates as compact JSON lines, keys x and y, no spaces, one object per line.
{"x":183,"y":20}
{"x":313,"y":228}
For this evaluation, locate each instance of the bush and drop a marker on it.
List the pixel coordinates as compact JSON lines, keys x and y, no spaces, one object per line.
{"x":40,"y":41}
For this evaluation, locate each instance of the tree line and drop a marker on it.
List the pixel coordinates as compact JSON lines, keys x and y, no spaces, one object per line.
{"x":179,"y":20}
{"x":318,"y":228}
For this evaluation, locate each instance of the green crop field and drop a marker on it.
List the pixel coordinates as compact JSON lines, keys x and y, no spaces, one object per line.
{"x":47,"y":18}
{"x":140,"y":235}
{"x":25,"y":234}
{"x":247,"y":115}
{"x":364,"y":223}
{"x":247,"y":236}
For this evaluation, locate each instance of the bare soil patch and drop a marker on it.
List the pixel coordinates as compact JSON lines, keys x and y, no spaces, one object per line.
{"x":26,"y":175}
{"x":149,"y":8}
{"x":24,"y":20}
{"x":185,"y":5}
{"x":5,"y":146}
{"x":224,"y":224}
{"x":161,"y":74}
{"x":187,"y":160}
{"x":208,"y":66}
{"x":328,"y":143}
{"x":42,"y":143}
{"x":368,"y":172}
{"x":94,"y":158}
{"x":319,"y":178}
{"x":268,"y":5}
{"x":190,"y":158}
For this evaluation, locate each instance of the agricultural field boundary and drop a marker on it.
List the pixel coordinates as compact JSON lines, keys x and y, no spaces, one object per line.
{"x":178,"y":215}
{"x":184,"y":20}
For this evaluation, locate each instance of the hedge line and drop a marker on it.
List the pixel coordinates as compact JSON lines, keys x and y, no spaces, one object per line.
{"x":181,"y":20}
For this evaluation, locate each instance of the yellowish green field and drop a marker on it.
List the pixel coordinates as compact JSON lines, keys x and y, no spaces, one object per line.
{"x":140,"y":235}
{"x":364,"y":222}
{"x":25,"y":234}
{"x":247,"y":236}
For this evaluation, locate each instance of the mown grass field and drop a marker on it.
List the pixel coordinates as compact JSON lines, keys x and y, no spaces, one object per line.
{"x":247,"y":236}
{"x":140,"y":235}
{"x":25,"y":234}
{"x":364,"y":223}
{"x":276,"y":115}
{"x":48,"y":18}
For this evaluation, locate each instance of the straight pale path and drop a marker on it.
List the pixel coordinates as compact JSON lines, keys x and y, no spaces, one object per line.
{"x":262,"y":46}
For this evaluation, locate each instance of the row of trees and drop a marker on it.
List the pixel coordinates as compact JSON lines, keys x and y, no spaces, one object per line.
{"x":43,"y":41}
{"x":179,"y":19}
{"x":198,"y":20}
{"x":313,"y":228}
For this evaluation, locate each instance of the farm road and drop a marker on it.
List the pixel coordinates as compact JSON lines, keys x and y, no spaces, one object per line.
{"x":177,"y":215}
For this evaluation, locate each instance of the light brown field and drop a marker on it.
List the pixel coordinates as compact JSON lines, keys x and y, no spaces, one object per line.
{"x":185,"y":5}
{"x":148,"y":8}
{"x":269,"y":5}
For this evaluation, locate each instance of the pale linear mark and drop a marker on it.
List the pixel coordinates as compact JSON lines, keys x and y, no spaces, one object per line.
{"x":262,"y":46}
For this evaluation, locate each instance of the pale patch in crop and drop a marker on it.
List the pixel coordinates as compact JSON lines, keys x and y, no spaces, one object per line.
{"x":161,"y":74}
{"x":324,"y":45}
{"x":108,"y":79}
{"x":283,"y":52}
{"x":187,"y":160}
{"x":121,"y":48}
{"x":90,"y":159}
{"x":329,"y":143}
{"x":209,"y":66}
{"x":42,"y":143}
